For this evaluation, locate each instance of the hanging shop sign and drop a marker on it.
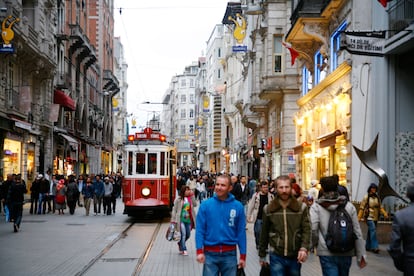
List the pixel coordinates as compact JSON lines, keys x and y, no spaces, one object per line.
{"x":7,"y":34}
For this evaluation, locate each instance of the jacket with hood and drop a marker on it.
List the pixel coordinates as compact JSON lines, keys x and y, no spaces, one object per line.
{"x":320,"y":214}
{"x":221,"y":222}
{"x":285,"y":230}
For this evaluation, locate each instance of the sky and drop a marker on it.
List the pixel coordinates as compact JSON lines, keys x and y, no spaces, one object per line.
{"x":160,"y":38}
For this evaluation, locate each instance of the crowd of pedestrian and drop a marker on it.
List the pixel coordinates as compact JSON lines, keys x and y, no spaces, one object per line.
{"x":50,"y":194}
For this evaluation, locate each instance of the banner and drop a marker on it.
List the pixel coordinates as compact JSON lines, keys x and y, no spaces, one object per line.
{"x":364,"y":43}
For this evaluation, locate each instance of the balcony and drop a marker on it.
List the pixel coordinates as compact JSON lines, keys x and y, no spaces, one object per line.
{"x":273,"y":87}
{"x":401,"y":15}
{"x":310,"y":20}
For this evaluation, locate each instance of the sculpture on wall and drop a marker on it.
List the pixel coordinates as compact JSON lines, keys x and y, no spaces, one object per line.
{"x":369,"y":159}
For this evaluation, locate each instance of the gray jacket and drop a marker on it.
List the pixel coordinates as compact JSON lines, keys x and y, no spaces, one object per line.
{"x":319,"y":215}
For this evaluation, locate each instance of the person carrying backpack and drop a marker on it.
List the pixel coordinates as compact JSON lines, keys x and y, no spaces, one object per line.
{"x":336,"y":233}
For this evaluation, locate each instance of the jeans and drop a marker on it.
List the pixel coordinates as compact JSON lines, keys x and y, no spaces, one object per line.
{"x":185,"y":229}
{"x":284,"y":266}
{"x":224,"y":263}
{"x":97,"y":202}
{"x":335,"y":265}
{"x":42,"y":203}
{"x":371,"y":242}
{"x":257,"y":229}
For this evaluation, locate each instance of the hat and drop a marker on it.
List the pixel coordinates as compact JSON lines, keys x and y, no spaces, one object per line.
{"x":39,"y":176}
{"x":328,"y":184}
{"x":106,"y":178}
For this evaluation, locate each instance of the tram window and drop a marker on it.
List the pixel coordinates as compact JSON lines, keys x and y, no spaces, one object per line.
{"x":130,"y":156}
{"x":162,"y":162}
{"x":152,"y":163}
{"x":140,"y":163}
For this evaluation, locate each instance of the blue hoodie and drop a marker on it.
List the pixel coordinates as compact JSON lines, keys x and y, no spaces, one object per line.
{"x":221,"y":223}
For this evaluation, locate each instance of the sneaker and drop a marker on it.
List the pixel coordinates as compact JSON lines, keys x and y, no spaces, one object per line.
{"x":185,"y":253}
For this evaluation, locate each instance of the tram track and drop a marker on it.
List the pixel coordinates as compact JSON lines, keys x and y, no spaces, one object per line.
{"x":140,"y":260}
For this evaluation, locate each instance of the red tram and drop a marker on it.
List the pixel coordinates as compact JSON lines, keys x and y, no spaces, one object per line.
{"x":149,"y":183}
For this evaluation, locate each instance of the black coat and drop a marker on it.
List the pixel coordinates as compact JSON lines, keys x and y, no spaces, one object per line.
{"x":402,"y":238}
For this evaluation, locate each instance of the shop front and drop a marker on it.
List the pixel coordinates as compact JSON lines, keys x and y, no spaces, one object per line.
{"x":65,"y":155}
{"x":322,"y":130}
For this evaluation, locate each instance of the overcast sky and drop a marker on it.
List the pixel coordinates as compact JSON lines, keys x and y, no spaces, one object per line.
{"x":160,"y":38}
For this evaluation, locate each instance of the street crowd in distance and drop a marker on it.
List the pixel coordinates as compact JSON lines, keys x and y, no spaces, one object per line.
{"x":54,"y":194}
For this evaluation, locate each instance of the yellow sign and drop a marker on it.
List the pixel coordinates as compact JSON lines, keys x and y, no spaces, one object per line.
{"x":6,"y":32}
{"x":239,"y":32}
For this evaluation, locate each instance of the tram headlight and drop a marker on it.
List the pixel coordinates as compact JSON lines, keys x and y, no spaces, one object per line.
{"x":145,"y":191}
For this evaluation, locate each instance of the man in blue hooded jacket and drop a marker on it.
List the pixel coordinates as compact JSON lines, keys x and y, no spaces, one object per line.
{"x":221,"y":224}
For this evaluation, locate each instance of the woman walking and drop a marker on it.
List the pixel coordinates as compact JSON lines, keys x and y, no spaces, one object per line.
{"x":369,"y":211}
{"x":61,"y":196}
{"x":183,"y":215}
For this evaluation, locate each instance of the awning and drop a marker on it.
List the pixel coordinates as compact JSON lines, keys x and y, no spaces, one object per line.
{"x":328,"y":139}
{"x":301,"y":148}
{"x":64,"y":100}
{"x":72,"y":141}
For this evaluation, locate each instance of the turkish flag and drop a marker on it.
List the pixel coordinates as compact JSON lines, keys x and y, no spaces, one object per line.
{"x":383,"y":3}
{"x":293,"y":53}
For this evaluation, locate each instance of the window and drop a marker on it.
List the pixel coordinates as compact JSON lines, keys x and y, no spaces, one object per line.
{"x":191,"y":114}
{"x":182,"y":114}
{"x":219,"y":52}
{"x":183,"y":82}
{"x":191,"y":98}
{"x":335,"y":45}
{"x":182,"y":129}
{"x":321,"y":67}
{"x":140,"y":168}
{"x":191,"y":129}
{"x":306,"y":81}
{"x":191,"y":82}
{"x":277,"y":54}
{"x":162,"y":163}
{"x":219,"y":73}
{"x":183,"y":98}
{"x":152,"y":163}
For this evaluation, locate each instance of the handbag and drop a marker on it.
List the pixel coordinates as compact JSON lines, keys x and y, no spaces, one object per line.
{"x":240,"y":272}
{"x":265,"y":270}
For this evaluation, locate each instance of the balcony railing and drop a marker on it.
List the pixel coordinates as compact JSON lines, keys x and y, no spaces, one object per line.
{"x":401,"y":14}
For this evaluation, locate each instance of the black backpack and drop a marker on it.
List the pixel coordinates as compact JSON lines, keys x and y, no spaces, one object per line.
{"x":340,"y":237}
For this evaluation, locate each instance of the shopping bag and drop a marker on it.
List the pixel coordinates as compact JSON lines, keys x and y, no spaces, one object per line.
{"x":240,"y":272}
{"x":170,"y":232}
{"x":265,"y":270}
